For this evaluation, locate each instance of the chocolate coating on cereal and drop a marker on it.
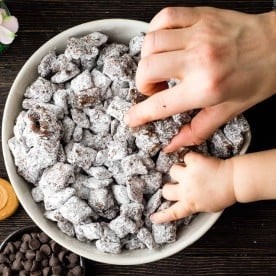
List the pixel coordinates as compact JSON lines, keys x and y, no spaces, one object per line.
{"x":98,"y":179}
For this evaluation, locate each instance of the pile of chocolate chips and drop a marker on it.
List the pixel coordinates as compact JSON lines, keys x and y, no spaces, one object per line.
{"x":36,"y":254}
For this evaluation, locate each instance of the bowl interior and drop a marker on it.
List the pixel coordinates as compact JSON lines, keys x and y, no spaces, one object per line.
{"x":119,"y":30}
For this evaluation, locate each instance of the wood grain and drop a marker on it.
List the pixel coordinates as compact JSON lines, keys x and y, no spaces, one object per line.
{"x":243,"y":241}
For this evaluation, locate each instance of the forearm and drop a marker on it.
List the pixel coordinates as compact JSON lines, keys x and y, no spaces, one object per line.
{"x":254,"y":176}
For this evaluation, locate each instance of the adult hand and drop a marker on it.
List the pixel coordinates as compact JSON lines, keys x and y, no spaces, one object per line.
{"x":225,"y":62}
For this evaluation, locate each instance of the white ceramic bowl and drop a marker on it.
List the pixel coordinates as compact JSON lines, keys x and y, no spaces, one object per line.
{"x":119,"y":30}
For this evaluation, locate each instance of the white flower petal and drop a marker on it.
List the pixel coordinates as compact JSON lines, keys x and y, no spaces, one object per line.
{"x":6,"y":36}
{"x":3,"y":12}
{"x":1,"y":18}
{"x":11,"y":23}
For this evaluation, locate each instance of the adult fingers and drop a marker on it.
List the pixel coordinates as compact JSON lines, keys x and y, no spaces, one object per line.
{"x":161,"y":105}
{"x":158,"y":68}
{"x":204,"y":124}
{"x":171,"y":192}
{"x":173,"y":17}
{"x":165,"y":41}
{"x":177,"y":211}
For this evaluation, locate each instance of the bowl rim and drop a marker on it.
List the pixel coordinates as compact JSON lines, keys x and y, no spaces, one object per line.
{"x":106,"y":257}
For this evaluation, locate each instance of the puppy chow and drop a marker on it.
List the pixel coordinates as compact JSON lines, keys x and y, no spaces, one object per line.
{"x":145,"y":236}
{"x":82,"y":82}
{"x":219,"y":145}
{"x":60,"y":99}
{"x":153,"y":203}
{"x":101,"y":199}
{"x":56,"y":200}
{"x":68,"y":129}
{"x":80,"y":155}
{"x":75,"y":210}
{"x":99,"y":121}
{"x":45,"y":66}
{"x":120,"y":194}
{"x":147,"y":140}
{"x":41,"y":89}
{"x":111,"y":50}
{"x":132,"y":210}
{"x":98,"y":179}
{"x":117,"y":150}
{"x":80,"y":118}
{"x":133,"y":165}
{"x":135,"y":44}
{"x":118,"y":108}
{"x":99,"y":172}
{"x":100,"y":80}
{"x":153,"y":181}
{"x":92,"y":231}
{"x":135,"y":188}
{"x":108,"y":246}
{"x":122,"y":226}
{"x":66,"y":227}
{"x":164,"y":232}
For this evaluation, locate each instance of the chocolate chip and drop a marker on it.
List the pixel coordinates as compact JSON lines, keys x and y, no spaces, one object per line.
{"x":43,"y":237}
{"x":17,"y":244}
{"x":45,"y":263}
{"x":34,"y":235}
{"x":73,"y":258}
{"x":57,"y":269}
{"x":7,"y":271}
{"x":46,"y":271}
{"x":26,"y":237}
{"x":77,"y":271}
{"x":1,"y":268}
{"x":30,"y":254}
{"x":36,"y":273}
{"x":27,"y":265}
{"x":39,"y":256}
{"x":19,"y":255}
{"x":61,"y":255}
{"x":34,"y":244}
{"x":56,"y":248}
{"x":17,"y":265}
{"x":45,"y":248}
{"x":23,"y":273}
{"x":53,"y":260}
{"x":3,"y":259}
{"x":35,"y":266}
{"x":11,"y":257}
{"x":11,"y":247}
{"x":24,"y":246}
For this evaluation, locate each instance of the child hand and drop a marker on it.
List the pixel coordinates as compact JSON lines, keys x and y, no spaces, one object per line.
{"x":225,"y":61}
{"x":203,"y":185}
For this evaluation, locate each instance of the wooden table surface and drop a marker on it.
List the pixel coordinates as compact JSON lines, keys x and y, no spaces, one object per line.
{"x":243,"y":241}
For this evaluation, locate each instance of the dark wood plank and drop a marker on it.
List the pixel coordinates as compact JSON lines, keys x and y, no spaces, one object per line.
{"x":243,"y":241}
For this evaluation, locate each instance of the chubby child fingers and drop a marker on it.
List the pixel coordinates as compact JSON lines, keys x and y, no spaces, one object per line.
{"x":171,"y":192}
{"x":174,"y":17}
{"x":177,"y":211}
{"x":177,"y":172}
